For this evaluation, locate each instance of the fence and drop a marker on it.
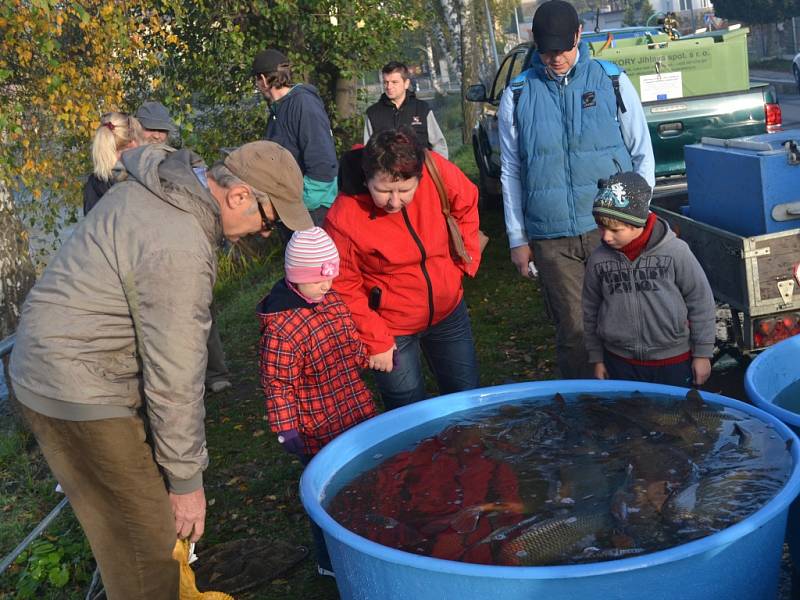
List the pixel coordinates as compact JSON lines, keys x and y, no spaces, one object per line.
{"x":775,"y":40}
{"x":6,"y":345}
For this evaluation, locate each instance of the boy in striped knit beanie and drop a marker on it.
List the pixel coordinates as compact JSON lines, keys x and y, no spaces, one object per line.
{"x":311,"y":357}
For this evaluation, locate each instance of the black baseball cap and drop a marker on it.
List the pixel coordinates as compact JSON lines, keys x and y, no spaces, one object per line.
{"x":555,"y":24}
{"x":268,"y":61}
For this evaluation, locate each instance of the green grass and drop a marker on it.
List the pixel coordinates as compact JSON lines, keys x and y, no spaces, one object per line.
{"x":251,"y":484}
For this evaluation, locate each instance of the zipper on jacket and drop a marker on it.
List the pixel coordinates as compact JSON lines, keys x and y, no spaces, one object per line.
{"x":570,"y":192}
{"x":425,"y":273}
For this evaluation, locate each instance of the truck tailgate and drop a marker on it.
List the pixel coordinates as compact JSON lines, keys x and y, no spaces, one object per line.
{"x":675,"y":123}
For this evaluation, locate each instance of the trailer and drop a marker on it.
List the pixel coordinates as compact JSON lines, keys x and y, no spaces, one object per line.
{"x":742,"y":222}
{"x":757,"y":278}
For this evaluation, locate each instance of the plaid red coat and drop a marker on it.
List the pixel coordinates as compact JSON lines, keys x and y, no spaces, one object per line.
{"x":310,"y":361}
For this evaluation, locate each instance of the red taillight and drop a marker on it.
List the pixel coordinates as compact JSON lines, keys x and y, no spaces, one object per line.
{"x":774,"y":117}
{"x":772,"y":330}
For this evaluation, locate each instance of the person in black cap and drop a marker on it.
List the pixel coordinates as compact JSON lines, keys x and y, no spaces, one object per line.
{"x":562,"y":124}
{"x":648,"y":311}
{"x":299,"y":123}
{"x":157,"y":125}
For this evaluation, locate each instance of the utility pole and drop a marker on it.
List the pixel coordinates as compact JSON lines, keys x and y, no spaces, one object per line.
{"x":691,"y":15}
{"x":490,"y":24}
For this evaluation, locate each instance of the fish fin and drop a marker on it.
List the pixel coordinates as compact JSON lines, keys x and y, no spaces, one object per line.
{"x":466,"y":521}
{"x":742,"y":433}
{"x":694,"y":397}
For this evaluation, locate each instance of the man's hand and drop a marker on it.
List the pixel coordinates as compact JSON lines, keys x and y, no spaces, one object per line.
{"x":521,"y":256}
{"x":383,"y":361}
{"x":600,"y":371}
{"x":190,"y":514}
{"x":701,"y":370}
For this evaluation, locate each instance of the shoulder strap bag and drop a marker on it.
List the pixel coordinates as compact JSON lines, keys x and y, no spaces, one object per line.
{"x":456,"y":241}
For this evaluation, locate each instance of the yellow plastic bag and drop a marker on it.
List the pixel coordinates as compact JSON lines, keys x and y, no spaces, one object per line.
{"x":188,"y":589}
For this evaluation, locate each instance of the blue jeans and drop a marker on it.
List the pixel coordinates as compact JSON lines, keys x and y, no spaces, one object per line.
{"x":449,"y":352}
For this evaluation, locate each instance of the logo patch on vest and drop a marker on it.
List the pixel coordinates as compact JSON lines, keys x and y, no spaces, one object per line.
{"x":415,"y":120}
{"x":587,"y":99}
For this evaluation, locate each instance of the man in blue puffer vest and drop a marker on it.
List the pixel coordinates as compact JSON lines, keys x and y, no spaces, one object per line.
{"x":565,"y":123}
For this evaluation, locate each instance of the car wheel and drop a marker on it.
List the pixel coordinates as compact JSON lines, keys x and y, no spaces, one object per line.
{"x":796,"y":72}
{"x":491,"y":195}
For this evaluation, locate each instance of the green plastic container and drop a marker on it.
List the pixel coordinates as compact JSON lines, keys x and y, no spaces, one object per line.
{"x":662,"y":69}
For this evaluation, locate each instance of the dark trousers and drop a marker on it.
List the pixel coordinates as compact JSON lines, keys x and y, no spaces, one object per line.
{"x":450,"y":353}
{"x":679,"y":374}
{"x":561,"y":263}
{"x":107,"y":471}
{"x":216,"y":369}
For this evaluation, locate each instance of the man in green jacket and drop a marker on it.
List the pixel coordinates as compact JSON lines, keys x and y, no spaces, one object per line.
{"x":110,"y":354}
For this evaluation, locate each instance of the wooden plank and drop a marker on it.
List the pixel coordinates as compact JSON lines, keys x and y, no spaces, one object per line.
{"x":778,"y":265}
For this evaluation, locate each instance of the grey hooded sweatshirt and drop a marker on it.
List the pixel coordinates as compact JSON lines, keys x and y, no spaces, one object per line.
{"x":120,"y":317}
{"x":656,"y":307}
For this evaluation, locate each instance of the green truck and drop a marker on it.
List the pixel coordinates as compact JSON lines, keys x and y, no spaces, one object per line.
{"x":717,"y":101}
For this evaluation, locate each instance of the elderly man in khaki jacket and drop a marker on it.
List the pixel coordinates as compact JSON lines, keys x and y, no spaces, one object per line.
{"x":110,"y":354}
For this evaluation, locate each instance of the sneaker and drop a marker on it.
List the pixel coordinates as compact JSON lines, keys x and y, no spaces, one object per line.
{"x":325,"y":572}
{"x":219,"y":385}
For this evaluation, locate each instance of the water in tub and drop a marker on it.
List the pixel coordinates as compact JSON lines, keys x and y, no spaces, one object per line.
{"x":577,"y":480}
{"x":789,"y":398}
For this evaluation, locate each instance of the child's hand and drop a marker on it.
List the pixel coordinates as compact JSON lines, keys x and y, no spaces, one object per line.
{"x":383,"y":361}
{"x":600,"y":371}
{"x":292,"y":442}
{"x":701,"y":370}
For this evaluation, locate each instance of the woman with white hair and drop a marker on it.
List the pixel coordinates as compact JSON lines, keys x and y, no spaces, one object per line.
{"x":117,"y":133}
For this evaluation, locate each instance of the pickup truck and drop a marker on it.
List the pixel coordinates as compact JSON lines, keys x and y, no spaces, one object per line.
{"x":672,"y":123}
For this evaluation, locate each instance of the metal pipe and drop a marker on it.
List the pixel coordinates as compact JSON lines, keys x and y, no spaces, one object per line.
{"x":490,"y":23}
{"x":37,"y":531}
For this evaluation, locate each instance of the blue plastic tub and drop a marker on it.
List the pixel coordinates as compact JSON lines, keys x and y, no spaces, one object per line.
{"x":772,"y":371}
{"x":739,"y":563}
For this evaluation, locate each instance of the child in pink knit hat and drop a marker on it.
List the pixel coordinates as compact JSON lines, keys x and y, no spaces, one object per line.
{"x":311,"y":356}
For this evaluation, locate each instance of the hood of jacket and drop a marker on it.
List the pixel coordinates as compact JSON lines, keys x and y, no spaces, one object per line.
{"x":351,"y":175}
{"x":170,"y":175}
{"x":298,"y":90}
{"x":281,"y":298}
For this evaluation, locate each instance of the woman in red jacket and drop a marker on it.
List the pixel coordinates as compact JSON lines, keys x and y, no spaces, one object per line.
{"x":397,"y":273}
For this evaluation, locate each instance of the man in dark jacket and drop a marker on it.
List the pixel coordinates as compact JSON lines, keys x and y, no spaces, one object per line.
{"x":110,"y":354}
{"x":398,"y":106}
{"x":299,"y":123}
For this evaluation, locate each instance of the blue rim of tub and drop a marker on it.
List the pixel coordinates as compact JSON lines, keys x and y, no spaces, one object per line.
{"x":787,"y":416}
{"x":340,"y":452}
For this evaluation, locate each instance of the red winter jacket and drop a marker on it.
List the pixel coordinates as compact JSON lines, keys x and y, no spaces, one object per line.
{"x":405,"y":254}
{"x":310,"y":358}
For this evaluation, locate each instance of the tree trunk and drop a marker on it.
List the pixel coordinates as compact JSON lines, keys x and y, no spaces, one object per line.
{"x":345,"y":97}
{"x":435,"y":81}
{"x":446,"y":50}
{"x":16,"y":269}
{"x":453,"y":18}
{"x":469,"y":73}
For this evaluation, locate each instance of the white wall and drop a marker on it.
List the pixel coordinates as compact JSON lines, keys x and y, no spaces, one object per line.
{"x":679,"y":5}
